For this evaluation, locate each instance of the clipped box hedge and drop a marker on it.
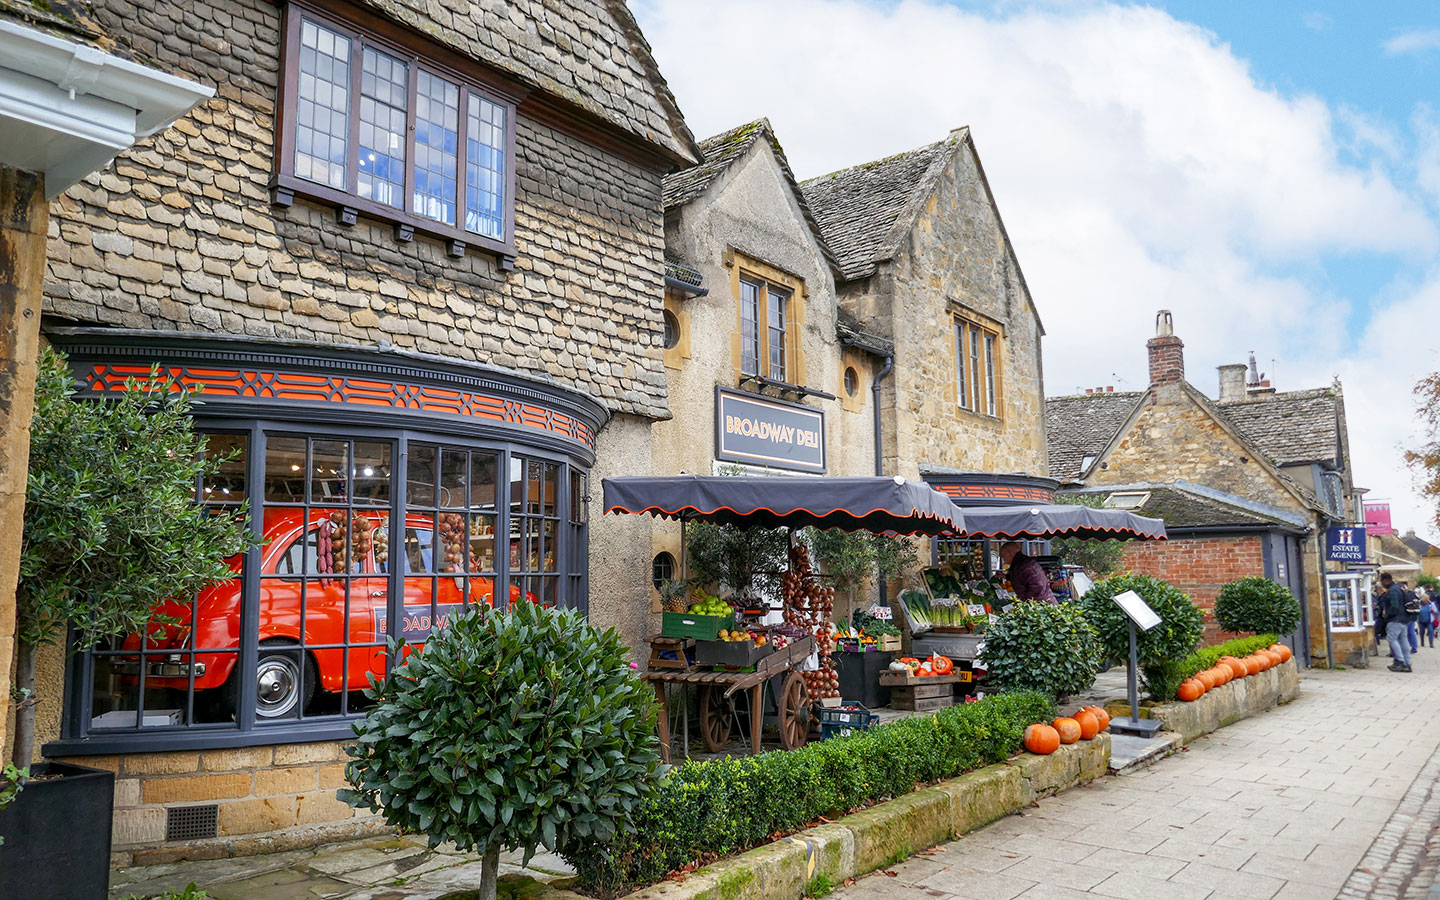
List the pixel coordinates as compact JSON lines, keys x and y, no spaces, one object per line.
{"x":703,"y":810}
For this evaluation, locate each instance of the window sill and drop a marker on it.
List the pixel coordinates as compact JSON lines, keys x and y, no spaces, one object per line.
{"x":964,"y":413}
{"x":285,"y":188}
{"x":198,"y":739}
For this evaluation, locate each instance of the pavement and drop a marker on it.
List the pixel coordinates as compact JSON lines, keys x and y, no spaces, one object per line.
{"x":1327,"y":797}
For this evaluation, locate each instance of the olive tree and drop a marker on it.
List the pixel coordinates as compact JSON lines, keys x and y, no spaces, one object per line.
{"x":508,"y":729}
{"x":111,"y":528}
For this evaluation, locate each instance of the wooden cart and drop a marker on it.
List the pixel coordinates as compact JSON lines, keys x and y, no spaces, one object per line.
{"x":718,"y":690}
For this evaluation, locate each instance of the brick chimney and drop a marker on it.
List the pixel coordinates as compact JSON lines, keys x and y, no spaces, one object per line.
{"x":1167,"y":352}
{"x":1232,"y":383}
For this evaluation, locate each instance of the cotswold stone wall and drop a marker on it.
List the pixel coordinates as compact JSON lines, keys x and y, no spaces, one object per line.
{"x":180,"y":234}
{"x":1199,"y":567}
{"x":956,"y":261}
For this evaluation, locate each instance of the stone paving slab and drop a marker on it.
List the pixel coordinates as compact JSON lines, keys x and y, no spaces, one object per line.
{"x":1314,"y":800}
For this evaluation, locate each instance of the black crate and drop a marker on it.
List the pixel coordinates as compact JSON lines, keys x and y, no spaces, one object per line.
{"x":731,"y":653}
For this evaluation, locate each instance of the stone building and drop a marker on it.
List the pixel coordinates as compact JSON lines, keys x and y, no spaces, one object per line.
{"x":1274,"y":466}
{"x":413,"y":252}
{"x":1428,"y":553}
{"x":925,"y":264}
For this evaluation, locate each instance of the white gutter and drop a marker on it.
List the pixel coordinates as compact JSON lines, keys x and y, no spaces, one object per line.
{"x":67,"y":109}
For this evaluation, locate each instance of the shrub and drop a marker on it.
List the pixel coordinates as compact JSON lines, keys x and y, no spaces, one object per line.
{"x":1042,"y":647}
{"x":1179,"y":631}
{"x":706,"y":809}
{"x":509,"y":729}
{"x":1164,"y":679}
{"x":1257,"y":605}
{"x":1097,"y":558}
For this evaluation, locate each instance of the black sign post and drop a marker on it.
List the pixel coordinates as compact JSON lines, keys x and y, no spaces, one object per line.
{"x":1139,"y":613}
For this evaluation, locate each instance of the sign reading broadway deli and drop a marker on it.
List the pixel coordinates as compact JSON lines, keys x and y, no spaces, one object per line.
{"x":1345,"y":544}
{"x":765,"y":432}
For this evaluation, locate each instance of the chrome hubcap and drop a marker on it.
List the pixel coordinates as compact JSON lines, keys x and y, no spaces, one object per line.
{"x":277,"y":687}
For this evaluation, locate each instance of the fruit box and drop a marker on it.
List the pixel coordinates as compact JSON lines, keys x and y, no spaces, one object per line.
{"x":691,"y":625}
{"x":731,"y":653}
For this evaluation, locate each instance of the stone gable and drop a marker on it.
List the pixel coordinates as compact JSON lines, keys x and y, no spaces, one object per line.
{"x":180,"y":235}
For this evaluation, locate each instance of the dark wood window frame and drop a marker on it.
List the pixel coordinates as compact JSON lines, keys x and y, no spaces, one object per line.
{"x":364,"y":30}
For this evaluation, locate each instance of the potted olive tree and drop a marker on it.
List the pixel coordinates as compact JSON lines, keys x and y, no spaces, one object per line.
{"x":111,"y":529}
{"x":510,"y":730}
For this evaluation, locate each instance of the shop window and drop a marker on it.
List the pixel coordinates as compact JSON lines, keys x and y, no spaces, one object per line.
{"x":763,"y":328}
{"x":662,"y":569}
{"x":369,"y":537}
{"x":374,"y":125}
{"x":977,"y":368}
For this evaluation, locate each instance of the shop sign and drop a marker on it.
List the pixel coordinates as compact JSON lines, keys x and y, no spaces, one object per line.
{"x":765,"y":432}
{"x":1345,"y":543}
{"x":1377,"y":519}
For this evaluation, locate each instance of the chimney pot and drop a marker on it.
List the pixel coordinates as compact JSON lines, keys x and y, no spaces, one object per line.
{"x":1089,"y":390}
{"x":1166,"y":352}
{"x":1109,"y":388}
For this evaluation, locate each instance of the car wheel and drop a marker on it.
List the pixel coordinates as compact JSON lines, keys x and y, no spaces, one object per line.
{"x":285,"y":680}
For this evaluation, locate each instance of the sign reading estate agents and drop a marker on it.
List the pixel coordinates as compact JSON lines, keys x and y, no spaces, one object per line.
{"x":1346,"y":544}
{"x":765,"y":432}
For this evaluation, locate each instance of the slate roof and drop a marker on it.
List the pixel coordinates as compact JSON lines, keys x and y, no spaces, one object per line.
{"x":64,"y":19}
{"x":589,"y":53}
{"x":1421,"y":546}
{"x":865,"y":211}
{"x":1290,"y":427}
{"x":718,"y":154}
{"x":1083,"y":425}
{"x":1183,"y":505}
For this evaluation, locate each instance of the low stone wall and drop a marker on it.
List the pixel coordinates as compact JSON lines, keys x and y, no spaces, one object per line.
{"x":1223,"y":705}
{"x":887,"y":833}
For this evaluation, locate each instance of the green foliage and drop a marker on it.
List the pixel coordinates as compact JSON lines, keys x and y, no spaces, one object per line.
{"x":1163,"y":679}
{"x":1097,"y":558}
{"x":1179,"y":631}
{"x":1257,"y":605}
{"x":1428,"y":581}
{"x":819,"y":886}
{"x":111,"y":527}
{"x":509,"y":729}
{"x":747,"y":560}
{"x":706,"y":809}
{"x":853,"y":558}
{"x":12,"y":782}
{"x":189,"y":892}
{"x":1042,"y":647}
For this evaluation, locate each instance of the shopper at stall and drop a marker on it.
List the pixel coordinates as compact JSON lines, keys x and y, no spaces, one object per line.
{"x":1397,"y":623}
{"x":1027,"y":578}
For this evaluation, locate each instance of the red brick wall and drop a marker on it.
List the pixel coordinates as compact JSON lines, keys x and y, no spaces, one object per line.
{"x":1199,"y":567}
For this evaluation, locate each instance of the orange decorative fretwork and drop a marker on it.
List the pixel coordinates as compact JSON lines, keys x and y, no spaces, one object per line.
{"x":995,"y":492}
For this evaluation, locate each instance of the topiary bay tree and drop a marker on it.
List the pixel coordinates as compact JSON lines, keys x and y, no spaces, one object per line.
{"x":1257,"y":605}
{"x":111,"y":527}
{"x":508,"y":729}
{"x":1178,"y":634}
{"x":1038,"y":646}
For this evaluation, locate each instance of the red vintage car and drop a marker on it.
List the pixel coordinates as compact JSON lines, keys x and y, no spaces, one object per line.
{"x":311,"y":560}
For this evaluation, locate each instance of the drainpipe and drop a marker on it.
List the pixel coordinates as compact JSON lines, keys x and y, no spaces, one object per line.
{"x":880,"y":440}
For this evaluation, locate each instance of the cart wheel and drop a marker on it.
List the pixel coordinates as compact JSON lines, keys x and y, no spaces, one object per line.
{"x":794,"y":713}
{"x":716,"y":717}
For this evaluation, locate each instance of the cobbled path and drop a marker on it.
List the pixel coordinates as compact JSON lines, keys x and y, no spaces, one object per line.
{"x":1331,"y":796}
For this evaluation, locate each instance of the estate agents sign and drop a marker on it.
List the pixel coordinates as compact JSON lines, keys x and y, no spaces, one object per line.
{"x":1345,"y":543}
{"x":765,"y":432}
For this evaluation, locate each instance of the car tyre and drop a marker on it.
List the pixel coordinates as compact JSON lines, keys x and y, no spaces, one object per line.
{"x":285,"y":678}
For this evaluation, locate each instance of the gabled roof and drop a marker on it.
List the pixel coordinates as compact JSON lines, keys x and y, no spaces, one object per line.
{"x":1291,"y":427}
{"x":588,"y":53}
{"x":1183,"y":505}
{"x":718,"y":154}
{"x":1083,"y":426}
{"x":865,"y":211}
{"x":1421,"y":546}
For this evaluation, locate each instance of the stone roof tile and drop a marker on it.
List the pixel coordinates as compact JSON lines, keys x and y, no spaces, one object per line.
{"x":589,"y":53}
{"x":1083,"y":426}
{"x":859,"y":208}
{"x":1289,"y":427}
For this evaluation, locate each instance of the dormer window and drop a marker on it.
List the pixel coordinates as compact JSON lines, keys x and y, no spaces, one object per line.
{"x":380,"y":130}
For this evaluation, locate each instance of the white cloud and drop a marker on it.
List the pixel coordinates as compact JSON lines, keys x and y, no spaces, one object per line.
{"x":1317,"y":21}
{"x":1137,"y":161}
{"x":1418,"y":40}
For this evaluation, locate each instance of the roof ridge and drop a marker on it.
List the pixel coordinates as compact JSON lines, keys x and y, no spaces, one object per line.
{"x":894,"y":157}
{"x":640,"y":46}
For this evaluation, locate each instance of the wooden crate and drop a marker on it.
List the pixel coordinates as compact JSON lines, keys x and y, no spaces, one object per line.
{"x":923,"y":697}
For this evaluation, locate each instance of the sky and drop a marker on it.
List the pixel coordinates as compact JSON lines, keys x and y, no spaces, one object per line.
{"x":1269,"y":172}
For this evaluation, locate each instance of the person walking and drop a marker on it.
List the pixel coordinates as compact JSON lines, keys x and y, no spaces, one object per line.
{"x":1397,"y":623}
{"x":1412,"y":603}
{"x":1428,"y":615}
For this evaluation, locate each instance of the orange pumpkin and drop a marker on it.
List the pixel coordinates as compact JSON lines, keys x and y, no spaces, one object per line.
{"x":1284,"y":651}
{"x":1222,"y":674}
{"x":941,"y":665}
{"x":1240,"y":667}
{"x":1262,"y":660}
{"x":1042,"y":739}
{"x":1069,"y":729}
{"x":1103,"y":715}
{"x":1207,"y":678}
{"x":1189,"y":691}
{"x":1089,"y":725}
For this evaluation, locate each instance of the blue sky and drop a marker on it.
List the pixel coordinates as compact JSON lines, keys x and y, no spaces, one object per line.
{"x":1268,"y":171}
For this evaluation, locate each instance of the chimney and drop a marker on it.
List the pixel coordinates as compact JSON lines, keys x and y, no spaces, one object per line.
{"x":1167,"y":356}
{"x":1232,"y":383}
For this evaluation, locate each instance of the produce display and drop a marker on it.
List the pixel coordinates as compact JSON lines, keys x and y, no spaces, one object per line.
{"x":808,"y":606}
{"x":951,"y":612}
{"x":709,"y":605}
{"x":738,"y":636}
{"x":1085,"y":724}
{"x":1228,"y":668}
{"x":935,"y":665}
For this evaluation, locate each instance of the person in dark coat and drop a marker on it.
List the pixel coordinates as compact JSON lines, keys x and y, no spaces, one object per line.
{"x":1027,"y":577}
{"x":1397,"y":623}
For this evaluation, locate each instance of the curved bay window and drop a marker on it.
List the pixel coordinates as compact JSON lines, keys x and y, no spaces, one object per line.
{"x":375,"y":522}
